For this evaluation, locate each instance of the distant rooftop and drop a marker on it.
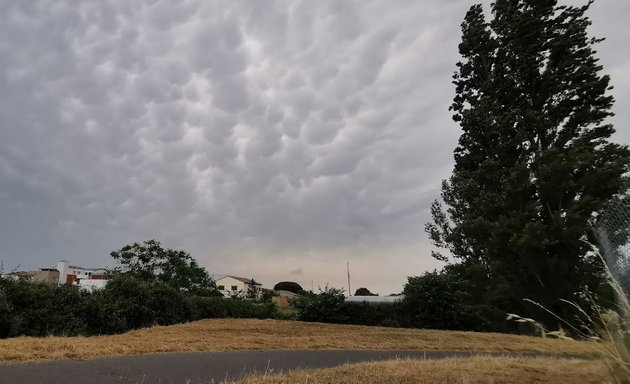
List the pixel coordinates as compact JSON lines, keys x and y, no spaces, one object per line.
{"x":242,"y":279}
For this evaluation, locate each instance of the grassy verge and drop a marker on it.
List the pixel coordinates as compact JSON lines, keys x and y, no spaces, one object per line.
{"x":474,"y":370}
{"x":248,"y":334}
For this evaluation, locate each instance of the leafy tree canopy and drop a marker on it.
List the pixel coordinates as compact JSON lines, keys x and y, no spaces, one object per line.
{"x":534,"y":161}
{"x":288,"y":286}
{"x":149,"y":261}
{"x":364,"y":292}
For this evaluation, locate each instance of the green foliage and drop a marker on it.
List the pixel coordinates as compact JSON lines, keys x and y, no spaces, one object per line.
{"x":375,"y":314}
{"x":325,"y":306}
{"x":267,"y":296}
{"x":288,"y":286}
{"x":364,"y":292}
{"x":329,"y":306}
{"x":533,"y":162}
{"x":35,"y":309}
{"x":7,"y":321}
{"x":434,"y":300}
{"x":149,"y":261}
{"x":125,"y":303}
{"x":215,"y":307}
{"x":252,"y":290}
{"x":130,"y":303}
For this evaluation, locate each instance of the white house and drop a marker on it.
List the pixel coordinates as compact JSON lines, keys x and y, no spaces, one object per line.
{"x":84,"y":277}
{"x":234,"y":285}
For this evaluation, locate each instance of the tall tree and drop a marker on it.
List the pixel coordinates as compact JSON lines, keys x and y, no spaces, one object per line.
{"x":534,"y":161}
{"x":150,"y":261}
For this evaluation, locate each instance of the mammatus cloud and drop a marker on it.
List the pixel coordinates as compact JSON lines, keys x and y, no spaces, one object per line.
{"x":256,"y":135}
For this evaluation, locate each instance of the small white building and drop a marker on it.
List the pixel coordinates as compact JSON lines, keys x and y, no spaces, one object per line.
{"x":233,"y":285}
{"x":91,"y":284}
{"x":84,"y":277}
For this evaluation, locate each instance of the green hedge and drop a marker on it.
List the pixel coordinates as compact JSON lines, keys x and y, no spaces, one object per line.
{"x":329,"y":306}
{"x":433,"y":300}
{"x":37,"y":309}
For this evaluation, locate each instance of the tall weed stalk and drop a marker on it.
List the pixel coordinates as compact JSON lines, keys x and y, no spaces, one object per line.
{"x":615,"y":331}
{"x":613,"y":327}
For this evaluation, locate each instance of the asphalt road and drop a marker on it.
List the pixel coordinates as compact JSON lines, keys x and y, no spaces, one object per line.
{"x":192,"y":368}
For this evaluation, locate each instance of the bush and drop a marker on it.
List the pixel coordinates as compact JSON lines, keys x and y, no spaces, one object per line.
{"x":329,"y":306}
{"x":7,"y":321}
{"x":37,"y":309}
{"x":66,"y":312}
{"x":126,"y":302}
{"x":325,"y":306}
{"x":103,"y":317}
{"x":377,"y":314}
{"x":216,"y":307}
{"x":129,"y":303}
{"x":435,"y":300}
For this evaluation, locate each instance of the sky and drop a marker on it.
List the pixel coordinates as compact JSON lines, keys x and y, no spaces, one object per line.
{"x":275,"y":140}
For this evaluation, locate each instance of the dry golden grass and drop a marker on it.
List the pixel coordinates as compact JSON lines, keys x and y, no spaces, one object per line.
{"x":247,"y":334}
{"x":474,"y":370}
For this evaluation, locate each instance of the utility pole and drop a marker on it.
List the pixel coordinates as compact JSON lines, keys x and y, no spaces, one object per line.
{"x":348,"y":268}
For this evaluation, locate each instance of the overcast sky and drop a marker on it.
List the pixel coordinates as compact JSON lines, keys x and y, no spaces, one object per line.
{"x":270,"y":139}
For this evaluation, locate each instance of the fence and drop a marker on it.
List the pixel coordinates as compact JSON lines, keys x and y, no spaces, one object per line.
{"x":613,"y":234}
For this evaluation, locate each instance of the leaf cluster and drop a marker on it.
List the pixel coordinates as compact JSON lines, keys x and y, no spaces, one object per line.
{"x":149,"y":261}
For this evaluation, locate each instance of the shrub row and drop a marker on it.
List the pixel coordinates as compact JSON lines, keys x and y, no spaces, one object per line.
{"x":33,"y":309}
{"x":430,"y":301}
{"x":433,"y":300}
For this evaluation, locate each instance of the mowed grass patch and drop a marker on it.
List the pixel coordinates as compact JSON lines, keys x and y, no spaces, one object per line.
{"x":249,"y":334}
{"x":475,"y":370}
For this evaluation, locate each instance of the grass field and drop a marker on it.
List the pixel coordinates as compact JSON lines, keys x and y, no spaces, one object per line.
{"x":247,"y":334}
{"x":476,"y":370}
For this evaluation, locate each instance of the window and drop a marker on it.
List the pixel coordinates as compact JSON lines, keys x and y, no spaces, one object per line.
{"x":221,"y":287}
{"x":234,"y":288}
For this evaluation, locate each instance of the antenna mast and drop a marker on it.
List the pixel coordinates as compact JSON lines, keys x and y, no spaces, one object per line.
{"x":348,"y":269}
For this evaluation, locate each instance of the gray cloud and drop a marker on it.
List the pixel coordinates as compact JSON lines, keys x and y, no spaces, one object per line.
{"x":256,"y":135}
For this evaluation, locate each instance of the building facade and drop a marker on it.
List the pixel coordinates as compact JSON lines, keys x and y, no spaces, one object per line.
{"x":73,"y":274}
{"x":238,"y":286}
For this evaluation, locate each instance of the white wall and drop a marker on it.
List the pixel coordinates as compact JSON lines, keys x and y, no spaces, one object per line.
{"x":62,"y":267}
{"x":228,"y":282}
{"x":92,"y":284}
{"x":66,"y":269}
